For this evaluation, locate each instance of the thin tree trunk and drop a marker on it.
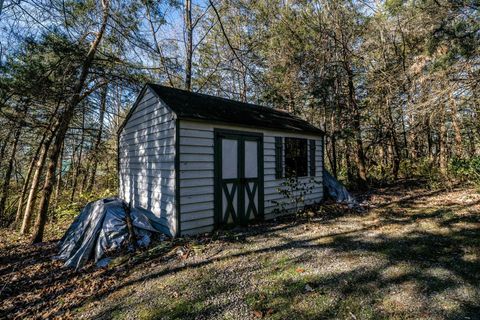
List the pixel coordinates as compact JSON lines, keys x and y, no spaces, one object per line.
{"x":158,"y":49}
{"x":26,"y":183}
{"x":393,"y":141}
{"x":405,"y":140}
{"x":8,"y":175}
{"x":59,"y":176}
{"x":76,"y":171}
{"x":333,"y":142}
{"x":98,"y":140}
{"x":471,"y":143}
{"x":63,"y":127}
{"x":83,"y":184}
{"x":359,"y":154}
{"x":188,"y":44}
{"x":414,"y":148}
{"x":383,"y":161}
{"x":244,"y":90}
{"x":456,"y":128}
{"x":3,"y":149}
{"x":42,"y":150}
{"x":333,"y":130}
{"x":442,"y":145}
{"x":348,"y":163}
{"x":429,"y":138}
{"x":73,"y":163}
{"x":32,"y":194}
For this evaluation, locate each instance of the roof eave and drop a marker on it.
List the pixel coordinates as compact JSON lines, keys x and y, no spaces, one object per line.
{"x":314,"y":131}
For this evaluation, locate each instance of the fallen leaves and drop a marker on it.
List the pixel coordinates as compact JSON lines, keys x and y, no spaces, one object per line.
{"x":300,"y":270}
{"x":262,"y":313}
{"x":36,"y":286}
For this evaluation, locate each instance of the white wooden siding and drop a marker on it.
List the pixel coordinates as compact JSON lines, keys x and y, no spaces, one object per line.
{"x":196,"y":179}
{"x":197,"y":173}
{"x":147,"y":160}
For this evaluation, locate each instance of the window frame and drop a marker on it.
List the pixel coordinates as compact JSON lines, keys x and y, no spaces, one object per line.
{"x":299,"y":159}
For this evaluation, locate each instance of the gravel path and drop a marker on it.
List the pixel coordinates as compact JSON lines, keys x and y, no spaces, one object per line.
{"x":414,"y":254}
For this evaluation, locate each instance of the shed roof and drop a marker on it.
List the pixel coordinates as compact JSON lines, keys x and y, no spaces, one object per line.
{"x":196,"y":106}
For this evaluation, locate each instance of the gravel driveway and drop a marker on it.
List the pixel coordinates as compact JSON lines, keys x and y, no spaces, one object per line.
{"x":414,"y":254}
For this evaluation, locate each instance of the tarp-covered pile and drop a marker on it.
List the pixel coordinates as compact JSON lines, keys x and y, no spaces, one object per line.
{"x":102,"y":227}
{"x":337,"y":190}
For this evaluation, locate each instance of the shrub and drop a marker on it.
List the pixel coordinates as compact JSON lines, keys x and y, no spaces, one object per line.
{"x":467,"y":170}
{"x":294,"y":191}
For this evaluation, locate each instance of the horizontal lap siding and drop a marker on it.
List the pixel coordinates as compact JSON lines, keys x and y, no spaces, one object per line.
{"x":197,"y":175}
{"x":273,"y":199}
{"x":147,"y":160}
{"x":196,"y":179}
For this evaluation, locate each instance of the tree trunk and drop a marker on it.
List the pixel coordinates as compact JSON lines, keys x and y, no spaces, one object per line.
{"x":3,"y":149}
{"x":32,"y":195}
{"x":8,"y":175}
{"x":429,"y":138}
{"x":63,"y":127}
{"x":85,"y":175}
{"x":456,"y":128}
{"x":333,"y":128}
{"x":405,"y":139}
{"x":98,"y":140}
{"x":76,"y":171}
{"x":58,"y":185}
{"x":383,"y":161}
{"x":414,"y":146}
{"x":471,"y":143}
{"x":26,"y":183}
{"x":442,"y":145}
{"x":188,"y":45}
{"x":392,"y":134}
{"x":158,"y":49}
{"x":359,"y":154}
{"x":348,"y":163}
{"x":333,"y":156}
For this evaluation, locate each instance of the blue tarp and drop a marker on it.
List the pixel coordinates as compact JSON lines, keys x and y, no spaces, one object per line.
{"x":337,"y":190}
{"x":101,"y":227}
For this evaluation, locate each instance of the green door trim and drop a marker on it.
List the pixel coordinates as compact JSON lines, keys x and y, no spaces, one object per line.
{"x":242,"y":192}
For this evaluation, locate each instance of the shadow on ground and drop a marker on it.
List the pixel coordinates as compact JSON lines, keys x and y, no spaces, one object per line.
{"x":412,"y":257}
{"x":407,"y":261}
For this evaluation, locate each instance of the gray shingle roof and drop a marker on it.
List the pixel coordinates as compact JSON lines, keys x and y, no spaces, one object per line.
{"x":195,"y":106}
{"x":190,"y":105}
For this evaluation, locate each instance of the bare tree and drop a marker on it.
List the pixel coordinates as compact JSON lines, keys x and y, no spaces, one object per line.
{"x":188,"y":44}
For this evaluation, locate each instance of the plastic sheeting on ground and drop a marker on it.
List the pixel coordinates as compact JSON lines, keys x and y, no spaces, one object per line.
{"x":101,"y":227}
{"x":337,"y":190}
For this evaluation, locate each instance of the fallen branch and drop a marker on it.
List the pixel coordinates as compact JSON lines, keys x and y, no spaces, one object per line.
{"x":131,"y":232}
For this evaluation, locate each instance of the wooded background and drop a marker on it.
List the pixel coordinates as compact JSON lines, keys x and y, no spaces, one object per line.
{"x":394,"y":84}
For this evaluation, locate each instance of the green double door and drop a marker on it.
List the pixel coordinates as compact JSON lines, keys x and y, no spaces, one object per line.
{"x":238,"y":177}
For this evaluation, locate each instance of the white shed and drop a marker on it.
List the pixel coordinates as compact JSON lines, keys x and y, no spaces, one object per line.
{"x":200,"y":162}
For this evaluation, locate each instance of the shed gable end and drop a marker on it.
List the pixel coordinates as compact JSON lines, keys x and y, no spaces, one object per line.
{"x":147,"y":158}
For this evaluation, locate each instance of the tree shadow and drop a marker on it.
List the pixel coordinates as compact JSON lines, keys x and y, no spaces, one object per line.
{"x":439,"y":268}
{"x":442,"y":263}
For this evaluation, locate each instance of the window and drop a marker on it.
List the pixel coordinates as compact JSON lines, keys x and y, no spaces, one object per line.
{"x":296,"y":160}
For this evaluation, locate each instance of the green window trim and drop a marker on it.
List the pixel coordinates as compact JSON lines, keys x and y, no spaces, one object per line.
{"x":278,"y":158}
{"x":312,"y":158}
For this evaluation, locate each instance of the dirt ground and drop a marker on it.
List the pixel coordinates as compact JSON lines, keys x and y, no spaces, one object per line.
{"x":413,"y":254}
